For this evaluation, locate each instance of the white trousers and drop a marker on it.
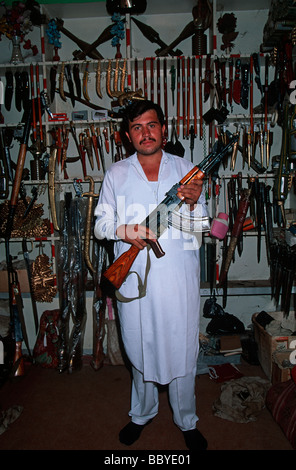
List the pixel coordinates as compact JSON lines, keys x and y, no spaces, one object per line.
{"x":144,"y":400}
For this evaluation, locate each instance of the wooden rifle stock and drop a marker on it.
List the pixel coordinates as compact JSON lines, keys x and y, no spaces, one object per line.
{"x":118,"y":271}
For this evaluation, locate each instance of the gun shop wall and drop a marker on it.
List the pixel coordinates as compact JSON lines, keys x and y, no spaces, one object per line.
{"x":214,"y":68}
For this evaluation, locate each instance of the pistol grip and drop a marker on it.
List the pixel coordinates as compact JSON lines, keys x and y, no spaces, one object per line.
{"x":158,"y":251}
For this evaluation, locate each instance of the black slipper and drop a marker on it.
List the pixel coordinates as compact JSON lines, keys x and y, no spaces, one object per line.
{"x":194,"y":440}
{"x":131,"y":433}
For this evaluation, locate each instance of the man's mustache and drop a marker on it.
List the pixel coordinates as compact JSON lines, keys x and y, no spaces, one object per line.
{"x":147,"y":138}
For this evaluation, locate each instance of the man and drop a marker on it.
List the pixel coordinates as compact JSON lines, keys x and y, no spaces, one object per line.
{"x":160,"y":327}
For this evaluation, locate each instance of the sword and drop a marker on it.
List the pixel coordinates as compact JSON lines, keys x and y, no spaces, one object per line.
{"x":94,"y":142}
{"x":28,"y":268}
{"x":89,"y":217}
{"x":88,"y":147}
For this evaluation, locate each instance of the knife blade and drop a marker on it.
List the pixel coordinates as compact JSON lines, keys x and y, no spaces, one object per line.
{"x":237,"y":82}
{"x":68,"y":76}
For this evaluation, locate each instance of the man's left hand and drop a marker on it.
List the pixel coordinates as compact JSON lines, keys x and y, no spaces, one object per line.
{"x":190,"y":192}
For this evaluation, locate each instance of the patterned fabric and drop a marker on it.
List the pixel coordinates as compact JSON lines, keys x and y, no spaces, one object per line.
{"x":281,"y":402}
{"x":45,"y":350}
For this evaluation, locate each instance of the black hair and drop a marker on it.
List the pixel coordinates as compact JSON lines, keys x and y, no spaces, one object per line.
{"x":132,"y":111}
{"x":137,"y":108}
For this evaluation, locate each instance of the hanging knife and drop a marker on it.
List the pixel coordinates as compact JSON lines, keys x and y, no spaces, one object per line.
{"x":18,"y":90}
{"x":53,"y":82}
{"x":245,"y":68}
{"x":98,"y":79}
{"x":91,"y":195}
{"x":200,"y":98}
{"x":85,"y":83}
{"x":230,"y":89}
{"x":28,"y":268}
{"x":173,"y":82}
{"x":73,"y":132}
{"x":237,"y":82}
{"x":105,"y":132}
{"x":8,"y":89}
{"x":70,"y":83}
{"x":88,"y":147}
{"x":178,"y":95}
{"x":82,"y":153}
{"x":25,"y":90}
{"x":256,"y":64}
{"x":108,"y":79}
{"x":151,"y":79}
{"x":94,"y":142}
{"x":207,"y":79}
{"x":145,"y":78}
{"x":194,"y":98}
{"x":61,"y":82}
{"x":165,"y":96}
{"x":77,"y":81}
{"x":51,"y":187}
{"x":123,"y":76}
{"x":100,"y":147}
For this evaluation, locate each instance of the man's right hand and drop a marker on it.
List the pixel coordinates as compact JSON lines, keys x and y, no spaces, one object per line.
{"x":135,"y":234}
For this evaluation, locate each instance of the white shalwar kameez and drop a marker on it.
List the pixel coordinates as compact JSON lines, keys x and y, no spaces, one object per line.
{"x":160,"y":330}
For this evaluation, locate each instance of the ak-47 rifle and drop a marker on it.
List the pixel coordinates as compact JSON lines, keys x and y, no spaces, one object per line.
{"x":157,"y":220}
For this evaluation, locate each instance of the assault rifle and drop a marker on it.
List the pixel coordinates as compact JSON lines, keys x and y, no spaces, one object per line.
{"x":157,"y":220}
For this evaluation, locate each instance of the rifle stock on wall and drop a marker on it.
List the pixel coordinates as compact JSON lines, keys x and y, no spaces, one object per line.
{"x":157,"y":220}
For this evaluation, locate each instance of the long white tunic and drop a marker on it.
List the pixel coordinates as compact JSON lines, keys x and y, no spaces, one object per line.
{"x":160,"y":330}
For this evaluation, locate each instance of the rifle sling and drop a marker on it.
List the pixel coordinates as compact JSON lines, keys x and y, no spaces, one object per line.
{"x":142,"y":286}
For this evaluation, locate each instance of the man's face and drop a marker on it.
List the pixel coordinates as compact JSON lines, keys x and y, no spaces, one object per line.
{"x":146,"y":133}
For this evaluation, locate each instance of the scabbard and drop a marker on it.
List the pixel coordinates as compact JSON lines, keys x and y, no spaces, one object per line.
{"x":237,"y":229}
{"x":178,"y":95}
{"x":88,"y":147}
{"x":51,"y":187}
{"x":88,"y":223}
{"x":8,"y":90}
{"x":194,"y":96}
{"x":85,"y":83}
{"x":18,"y":91}
{"x":29,"y":274}
{"x":77,"y":81}
{"x":95,"y":146}
{"x":25,"y":90}
{"x":100,"y":147}
{"x":61,"y":82}
{"x":53,"y":82}
{"x":200,"y":100}
{"x":145,"y":78}
{"x":183,"y":81}
{"x":98,"y":79}
{"x":165,"y":96}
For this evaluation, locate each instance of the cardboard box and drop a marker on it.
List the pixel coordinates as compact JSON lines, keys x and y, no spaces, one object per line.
{"x":267,"y":344}
{"x":281,"y":371}
{"x":20,"y":267}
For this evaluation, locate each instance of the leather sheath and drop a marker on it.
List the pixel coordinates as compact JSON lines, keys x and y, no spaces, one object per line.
{"x":18,"y":91}
{"x":245,"y":68}
{"x":25,"y":90}
{"x":8,"y":89}
{"x":51,"y":187}
{"x":68,"y":76}
{"x":77,"y":80}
